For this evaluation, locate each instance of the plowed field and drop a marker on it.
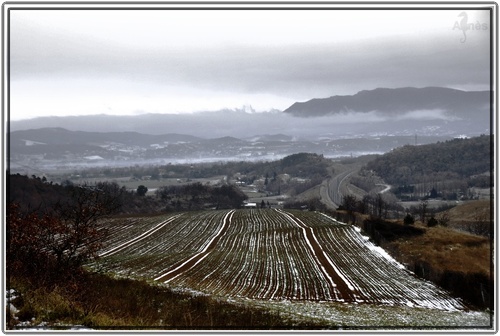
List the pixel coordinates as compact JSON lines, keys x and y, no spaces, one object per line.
{"x":267,"y":255}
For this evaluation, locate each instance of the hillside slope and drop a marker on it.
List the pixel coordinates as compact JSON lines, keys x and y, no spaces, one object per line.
{"x":472,"y":216}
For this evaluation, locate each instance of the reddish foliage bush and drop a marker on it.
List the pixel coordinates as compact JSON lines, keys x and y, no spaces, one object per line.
{"x":42,"y":247}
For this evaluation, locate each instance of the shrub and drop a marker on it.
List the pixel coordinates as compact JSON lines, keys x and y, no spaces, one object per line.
{"x":432,"y":222}
{"x":409,"y":220}
{"x":53,"y":244}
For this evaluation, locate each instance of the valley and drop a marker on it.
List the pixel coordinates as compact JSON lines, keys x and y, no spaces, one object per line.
{"x":59,"y":150}
{"x":314,"y":216}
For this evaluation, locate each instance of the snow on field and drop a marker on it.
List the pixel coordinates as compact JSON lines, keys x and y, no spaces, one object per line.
{"x":373,"y":316}
{"x":303,"y":260}
{"x":378,"y":249}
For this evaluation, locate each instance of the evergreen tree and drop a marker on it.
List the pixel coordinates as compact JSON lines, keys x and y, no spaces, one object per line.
{"x":142,"y":190}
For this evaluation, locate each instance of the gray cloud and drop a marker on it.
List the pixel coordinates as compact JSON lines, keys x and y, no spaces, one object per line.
{"x":296,"y":71}
{"x":293,"y":69}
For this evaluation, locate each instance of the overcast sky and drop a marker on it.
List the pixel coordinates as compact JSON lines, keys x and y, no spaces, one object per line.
{"x":74,"y":62}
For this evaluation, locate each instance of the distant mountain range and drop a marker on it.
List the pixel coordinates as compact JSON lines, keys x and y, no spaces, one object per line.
{"x":399,"y":102}
{"x":430,"y":111}
{"x":59,"y":149}
{"x":59,"y":136}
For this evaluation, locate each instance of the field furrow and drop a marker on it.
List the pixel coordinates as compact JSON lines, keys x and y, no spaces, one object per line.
{"x":198,"y":257}
{"x":183,"y":237}
{"x":266,"y":254}
{"x":331,"y":272}
{"x":271,"y":262}
{"x":379,"y":279}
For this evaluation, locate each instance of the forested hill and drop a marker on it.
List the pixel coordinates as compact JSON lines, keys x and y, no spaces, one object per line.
{"x":457,"y":158}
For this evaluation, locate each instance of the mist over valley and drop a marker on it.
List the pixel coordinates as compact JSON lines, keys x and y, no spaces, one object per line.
{"x":369,"y":122}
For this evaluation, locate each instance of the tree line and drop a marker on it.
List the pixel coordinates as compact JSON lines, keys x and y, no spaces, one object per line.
{"x":197,"y":196}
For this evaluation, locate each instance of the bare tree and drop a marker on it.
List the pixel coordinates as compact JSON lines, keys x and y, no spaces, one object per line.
{"x":444,"y":218}
{"x":380,"y":205}
{"x":423,"y":210}
{"x":349,"y":203}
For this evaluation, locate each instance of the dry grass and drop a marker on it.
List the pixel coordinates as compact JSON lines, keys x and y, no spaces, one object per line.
{"x":101,"y":302}
{"x":448,"y":250}
{"x":471,"y":211}
{"x":472,"y":216}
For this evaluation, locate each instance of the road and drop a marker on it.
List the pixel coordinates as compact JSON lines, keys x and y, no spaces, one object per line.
{"x":333,"y":189}
{"x":386,"y":189}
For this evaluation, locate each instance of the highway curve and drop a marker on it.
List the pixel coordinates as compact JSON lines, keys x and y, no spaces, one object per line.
{"x":332,"y":190}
